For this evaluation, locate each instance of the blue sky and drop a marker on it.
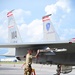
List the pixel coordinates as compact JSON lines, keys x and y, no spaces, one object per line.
{"x":28,"y":15}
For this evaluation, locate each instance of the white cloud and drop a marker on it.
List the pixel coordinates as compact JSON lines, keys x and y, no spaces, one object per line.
{"x":51,"y":9}
{"x":67,"y":32}
{"x":3,"y":34}
{"x":31,"y":32}
{"x":62,"y":4}
{"x":20,"y":14}
{"x":35,"y":29}
{"x":3,"y":26}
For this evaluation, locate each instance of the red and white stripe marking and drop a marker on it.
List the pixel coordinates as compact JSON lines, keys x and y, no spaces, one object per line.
{"x":9,"y":14}
{"x":10,"y":26}
{"x":45,"y":18}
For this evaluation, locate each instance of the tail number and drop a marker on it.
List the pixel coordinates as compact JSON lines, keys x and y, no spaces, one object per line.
{"x":14,"y":35}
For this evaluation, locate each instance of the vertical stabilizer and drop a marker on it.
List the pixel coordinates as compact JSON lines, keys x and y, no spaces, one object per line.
{"x":13,"y":33}
{"x":48,"y":29}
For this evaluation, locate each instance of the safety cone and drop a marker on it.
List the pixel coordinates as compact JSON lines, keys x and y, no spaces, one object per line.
{"x":0,"y":64}
{"x":14,"y":65}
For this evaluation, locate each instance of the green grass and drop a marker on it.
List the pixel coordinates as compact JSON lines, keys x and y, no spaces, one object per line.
{"x":10,"y":62}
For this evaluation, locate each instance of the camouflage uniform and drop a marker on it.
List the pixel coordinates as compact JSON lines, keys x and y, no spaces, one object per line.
{"x":28,"y":68}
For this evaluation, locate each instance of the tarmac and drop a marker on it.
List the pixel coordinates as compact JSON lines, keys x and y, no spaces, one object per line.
{"x":15,"y":69}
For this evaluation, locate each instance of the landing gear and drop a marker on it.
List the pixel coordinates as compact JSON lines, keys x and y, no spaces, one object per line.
{"x":58,"y":70}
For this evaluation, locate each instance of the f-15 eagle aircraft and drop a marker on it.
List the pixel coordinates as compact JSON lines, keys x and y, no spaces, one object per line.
{"x":52,"y":50}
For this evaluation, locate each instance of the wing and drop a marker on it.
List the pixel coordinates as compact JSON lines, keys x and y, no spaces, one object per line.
{"x":59,"y":45}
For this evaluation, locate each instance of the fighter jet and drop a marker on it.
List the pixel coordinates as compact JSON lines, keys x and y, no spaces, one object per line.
{"x":52,"y":49}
